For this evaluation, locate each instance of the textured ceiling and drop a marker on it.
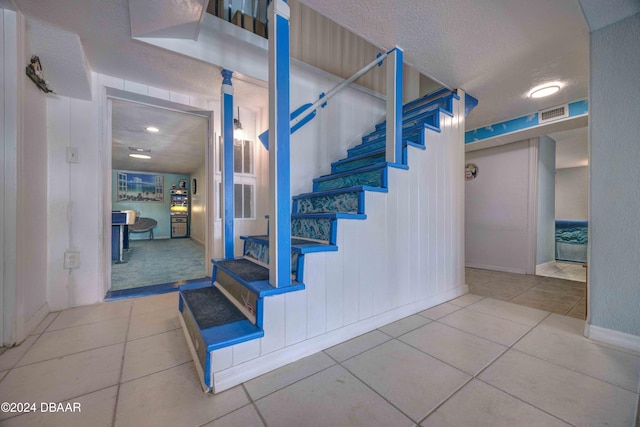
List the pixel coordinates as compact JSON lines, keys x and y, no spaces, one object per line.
{"x":572,"y":148}
{"x":496,"y":50}
{"x":600,"y":13}
{"x":178,"y":148}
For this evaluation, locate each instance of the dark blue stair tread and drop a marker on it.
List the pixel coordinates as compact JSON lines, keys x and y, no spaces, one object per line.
{"x":294,"y":241}
{"x":246,"y":270}
{"x":211,"y":308}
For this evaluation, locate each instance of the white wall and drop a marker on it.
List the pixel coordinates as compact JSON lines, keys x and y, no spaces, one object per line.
{"x":32,"y":199}
{"x":614,"y":123}
{"x":500,"y":208}
{"x":405,"y":257}
{"x":572,"y":193}
{"x":546,"y":228}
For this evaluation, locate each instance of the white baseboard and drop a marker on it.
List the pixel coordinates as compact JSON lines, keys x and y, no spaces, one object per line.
{"x":610,"y":336}
{"x":496,"y":268}
{"x":240,"y":373}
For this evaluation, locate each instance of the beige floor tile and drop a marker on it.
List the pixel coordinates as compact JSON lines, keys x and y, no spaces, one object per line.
{"x":154,"y":322}
{"x":96,"y":410}
{"x":357,"y":345}
{"x":568,"y":395}
{"x":479,"y":404}
{"x":574,"y":291}
{"x":495,"y":329}
{"x":505,"y":310}
{"x":405,"y":325}
{"x":45,"y":323}
{"x":555,"y":303}
{"x":496,"y":292}
{"x":74,"y":340}
{"x":439,"y":311}
{"x":60,"y":379}
{"x":579,"y":311}
{"x":155,"y":302}
{"x":563,"y":324}
{"x":155,"y":353}
{"x":12,"y":355}
{"x":2,"y":374}
{"x":466,"y":300}
{"x":173,"y":397}
{"x":464,"y":351}
{"x":584,"y":356}
{"x":91,"y":314}
{"x":413,"y":381}
{"x":245,"y":417}
{"x":287,"y":375}
{"x":329,"y":398}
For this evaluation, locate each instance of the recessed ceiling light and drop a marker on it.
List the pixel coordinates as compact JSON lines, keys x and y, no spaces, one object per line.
{"x":139,"y":156}
{"x":152,"y":129}
{"x":545,"y":90}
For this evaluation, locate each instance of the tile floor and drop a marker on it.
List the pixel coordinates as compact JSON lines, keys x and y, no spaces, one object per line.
{"x":474,"y":361}
{"x":560,"y":296}
{"x":563,"y":270}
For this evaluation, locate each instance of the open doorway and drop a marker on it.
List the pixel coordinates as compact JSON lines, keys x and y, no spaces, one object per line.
{"x":159,"y":182}
{"x":562,"y":232}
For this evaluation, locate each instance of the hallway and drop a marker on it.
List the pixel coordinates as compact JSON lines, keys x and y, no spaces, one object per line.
{"x":473,"y":361}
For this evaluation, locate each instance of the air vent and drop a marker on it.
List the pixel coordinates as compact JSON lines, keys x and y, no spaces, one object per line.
{"x":553,"y":113}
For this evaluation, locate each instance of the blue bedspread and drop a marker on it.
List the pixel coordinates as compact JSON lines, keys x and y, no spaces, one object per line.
{"x":572,"y":232}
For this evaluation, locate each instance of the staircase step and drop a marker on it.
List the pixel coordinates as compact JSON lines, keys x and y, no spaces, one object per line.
{"x":431,"y":117}
{"x":319,"y":226}
{"x":409,"y":135}
{"x":211,"y":321}
{"x":445,"y":104}
{"x":426,"y":99}
{"x":372,"y":175}
{"x":366,"y":159}
{"x":340,"y":200}
{"x":257,"y":248}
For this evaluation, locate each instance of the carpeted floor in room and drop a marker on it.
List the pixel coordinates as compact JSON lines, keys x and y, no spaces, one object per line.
{"x":152,"y":262}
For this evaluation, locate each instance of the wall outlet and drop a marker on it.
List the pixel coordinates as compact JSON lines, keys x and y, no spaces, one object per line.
{"x":71,"y":260}
{"x":72,"y":155}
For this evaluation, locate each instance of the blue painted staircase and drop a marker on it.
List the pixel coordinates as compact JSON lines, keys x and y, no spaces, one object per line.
{"x":239,"y":286}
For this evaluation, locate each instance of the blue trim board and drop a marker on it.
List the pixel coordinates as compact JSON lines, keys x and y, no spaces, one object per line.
{"x":398,"y":103}
{"x":163,"y":288}
{"x":218,"y":337}
{"x":576,"y":108}
{"x":283,"y":199}
{"x":227,"y":178}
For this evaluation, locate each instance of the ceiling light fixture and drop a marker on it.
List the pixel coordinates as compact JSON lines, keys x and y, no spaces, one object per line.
{"x":152,"y":129}
{"x":140,"y":156}
{"x":238,"y":133}
{"x":139,"y":150}
{"x":545,"y":90}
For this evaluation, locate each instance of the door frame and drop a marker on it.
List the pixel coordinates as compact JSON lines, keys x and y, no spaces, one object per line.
{"x":110,"y":95}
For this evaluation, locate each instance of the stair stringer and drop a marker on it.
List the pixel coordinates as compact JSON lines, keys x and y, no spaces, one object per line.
{"x":407,"y":256}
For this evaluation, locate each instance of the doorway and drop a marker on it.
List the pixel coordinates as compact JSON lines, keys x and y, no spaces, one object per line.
{"x":562,"y":232}
{"x":159,"y":162}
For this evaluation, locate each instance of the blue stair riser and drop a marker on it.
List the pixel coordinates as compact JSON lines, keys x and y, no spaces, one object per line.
{"x":431,"y":119}
{"x":374,"y":178}
{"x":348,"y":164}
{"x":380,"y":145}
{"x":260,"y":252}
{"x":445,"y":104}
{"x":323,"y":229}
{"x":433,"y":96}
{"x":350,"y":202}
{"x":368,"y":158}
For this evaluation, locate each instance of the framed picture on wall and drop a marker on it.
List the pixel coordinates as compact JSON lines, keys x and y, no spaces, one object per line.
{"x":139,"y":187}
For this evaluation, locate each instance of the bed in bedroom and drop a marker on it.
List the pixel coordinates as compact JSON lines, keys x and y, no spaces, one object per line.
{"x":571,"y":240}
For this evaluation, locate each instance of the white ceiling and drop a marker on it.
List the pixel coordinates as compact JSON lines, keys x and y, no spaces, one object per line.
{"x":496,"y":50}
{"x":178,"y":148}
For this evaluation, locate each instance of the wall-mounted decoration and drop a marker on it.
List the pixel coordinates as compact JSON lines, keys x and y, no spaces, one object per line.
{"x":470,"y":171}
{"x":34,"y":71}
{"x":140,"y":187}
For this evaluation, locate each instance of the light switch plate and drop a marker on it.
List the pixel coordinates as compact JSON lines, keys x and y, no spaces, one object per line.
{"x":71,"y":260}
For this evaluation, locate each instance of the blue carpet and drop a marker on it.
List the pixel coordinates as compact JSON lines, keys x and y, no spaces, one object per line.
{"x":152,"y":262}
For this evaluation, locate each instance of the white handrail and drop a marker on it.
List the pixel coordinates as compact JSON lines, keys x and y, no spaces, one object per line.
{"x":338,"y":88}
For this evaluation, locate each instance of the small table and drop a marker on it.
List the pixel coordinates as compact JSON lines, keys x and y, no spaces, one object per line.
{"x":142,"y":225}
